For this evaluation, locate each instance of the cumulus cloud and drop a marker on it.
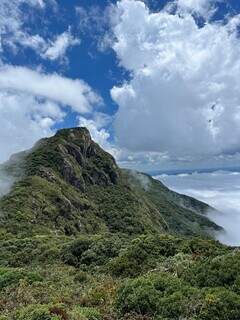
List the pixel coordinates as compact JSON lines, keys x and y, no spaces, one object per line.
{"x":74,"y":93}
{"x":57,"y":49}
{"x":220,"y":189}
{"x":205,"y":8}
{"x":31,"y":103}
{"x":96,"y":126}
{"x":183,"y":97}
{"x":23,"y":120}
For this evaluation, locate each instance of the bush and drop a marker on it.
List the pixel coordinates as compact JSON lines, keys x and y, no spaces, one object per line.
{"x":37,"y":312}
{"x":203,"y":248}
{"x":22,"y":252}
{"x":220,"y":304}
{"x":159,"y":295}
{"x":102,"y":249}
{"x":72,"y":253}
{"x":143,"y":254}
{"x":216,"y":272}
{"x":10,"y":277}
{"x":81,"y":276}
{"x":93,"y":251}
{"x":81,"y":313}
{"x":165,"y":297}
{"x":99,"y":295}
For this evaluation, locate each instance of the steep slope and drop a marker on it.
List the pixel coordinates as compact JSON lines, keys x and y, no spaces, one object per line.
{"x":68,"y":185}
{"x":184,"y":215}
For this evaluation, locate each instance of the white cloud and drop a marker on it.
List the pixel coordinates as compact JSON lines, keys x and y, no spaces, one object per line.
{"x":97,"y":125}
{"x":31,"y":103}
{"x":12,"y":32}
{"x":220,"y":189}
{"x":204,"y":8}
{"x":58,"y":48}
{"x":183,"y":97}
{"x":74,"y":93}
{"x":93,"y":23}
{"x":23,"y":120}
{"x":99,"y":133}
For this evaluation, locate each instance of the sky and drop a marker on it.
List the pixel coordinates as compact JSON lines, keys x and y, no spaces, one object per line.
{"x":156,"y":82}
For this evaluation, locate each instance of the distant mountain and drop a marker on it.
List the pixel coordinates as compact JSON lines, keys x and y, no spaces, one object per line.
{"x":68,"y":185}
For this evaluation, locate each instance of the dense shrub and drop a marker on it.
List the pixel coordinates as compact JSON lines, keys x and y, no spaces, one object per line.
{"x":220,"y":304}
{"x":142,"y":254}
{"x":203,"y":248}
{"x":10,"y":277}
{"x":152,"y":294}
{"x":72,"y":253}
{"x":215,"y":272}
{"x":166,"y":297}
{"x":27,"y":251}
{"x":103,"y":249}
{"x":81,"y":313}
{"x":37,"y":312}
{"x":81,"y":276}
{"x":92,"y":250}
{"x":166,"y":278}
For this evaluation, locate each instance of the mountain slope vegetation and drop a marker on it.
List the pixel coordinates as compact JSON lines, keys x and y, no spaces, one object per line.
{"x":68,"y":184}
{"x":82,"y":239}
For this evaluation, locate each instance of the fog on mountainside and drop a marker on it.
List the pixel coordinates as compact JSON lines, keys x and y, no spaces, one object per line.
{"x":6,"y":182}
{"x":220,"y":189}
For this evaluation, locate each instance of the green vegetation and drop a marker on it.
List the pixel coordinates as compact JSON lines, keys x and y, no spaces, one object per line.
{"x":81,"y":239}
{"x":68,"y":185}
{"x":116,"y":277}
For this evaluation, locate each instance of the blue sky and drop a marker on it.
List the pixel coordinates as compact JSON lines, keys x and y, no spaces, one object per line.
{"x":155,"y":82}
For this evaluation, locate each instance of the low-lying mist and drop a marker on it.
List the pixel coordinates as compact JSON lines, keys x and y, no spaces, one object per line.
{"x":221,"y":190}
{"x":143,"y":180}
{"x":6,"y":182}
{"x":10,"y":172}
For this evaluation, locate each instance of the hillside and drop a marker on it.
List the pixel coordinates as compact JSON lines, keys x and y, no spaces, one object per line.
{"x":82,"y":239}
{"x":68,"y":185}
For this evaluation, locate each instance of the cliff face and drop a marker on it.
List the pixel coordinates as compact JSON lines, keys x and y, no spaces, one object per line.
{"x":74,"y":157}
{"x":68,"y":185}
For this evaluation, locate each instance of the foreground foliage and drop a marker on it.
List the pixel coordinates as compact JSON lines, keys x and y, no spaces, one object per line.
{"x":82,"y":239}
{"x":112,"y":276}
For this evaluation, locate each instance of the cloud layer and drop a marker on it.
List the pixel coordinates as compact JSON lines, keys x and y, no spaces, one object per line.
{"x":220,"y":189}
{"x":183,"y":97}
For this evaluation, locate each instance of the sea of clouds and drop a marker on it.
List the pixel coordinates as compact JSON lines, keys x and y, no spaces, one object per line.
{"x":220,"y":189}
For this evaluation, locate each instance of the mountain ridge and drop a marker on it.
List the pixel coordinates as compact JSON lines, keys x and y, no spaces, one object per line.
{"x":68,"y":184}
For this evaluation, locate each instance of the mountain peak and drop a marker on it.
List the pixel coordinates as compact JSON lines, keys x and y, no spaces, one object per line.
{"x":75,"y":133}
{"x":75,"y":157}
{"x":69,"y":184}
